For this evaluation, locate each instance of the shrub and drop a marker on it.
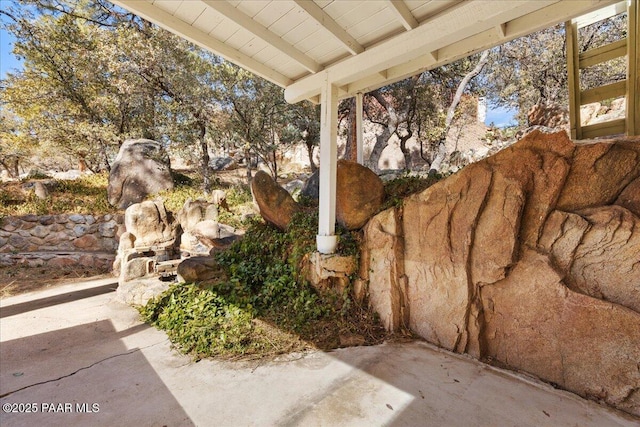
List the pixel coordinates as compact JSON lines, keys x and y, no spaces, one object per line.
{"x":200,"y":322}
{"x":399,"y":188}
{"x":264,"y":287}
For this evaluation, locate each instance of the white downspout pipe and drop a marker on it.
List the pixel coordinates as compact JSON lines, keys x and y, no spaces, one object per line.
{"x":326,"y":240}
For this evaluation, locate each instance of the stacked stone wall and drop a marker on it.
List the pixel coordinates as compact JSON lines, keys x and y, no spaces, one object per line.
{"x":60,"y":240}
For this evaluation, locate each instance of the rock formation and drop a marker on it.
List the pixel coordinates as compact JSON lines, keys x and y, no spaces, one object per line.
{"x":154,"y":244}
{"x":311,"y":187}
{"x":530,"y":258}
{"x":141,"y":168}
{"x":201,"y":231}
{"x":201,"y":269}
{"x":359,"y":194}
{"x":275,"y":204}
{"x":150,"y":237}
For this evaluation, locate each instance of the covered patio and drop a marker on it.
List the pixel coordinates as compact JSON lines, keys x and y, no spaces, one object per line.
{"x":327,"y":50}
{"x":73,"y":356}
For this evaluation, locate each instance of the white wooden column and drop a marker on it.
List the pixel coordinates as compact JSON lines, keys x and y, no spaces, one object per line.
{"x":326,"y":239}
{"x":359,"y":131}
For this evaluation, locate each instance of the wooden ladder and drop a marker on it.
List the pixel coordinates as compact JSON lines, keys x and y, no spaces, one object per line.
{"x":630,"y":87}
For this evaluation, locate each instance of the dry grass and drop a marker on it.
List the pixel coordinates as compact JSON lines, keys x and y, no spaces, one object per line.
{"x":86,"y":195}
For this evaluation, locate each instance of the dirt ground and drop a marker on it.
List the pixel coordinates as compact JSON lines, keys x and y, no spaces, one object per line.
{"x":17,"y":280}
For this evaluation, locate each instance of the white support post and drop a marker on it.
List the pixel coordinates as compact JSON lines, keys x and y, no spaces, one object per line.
{"x":359,"y":131}
{"x":326,"y":239}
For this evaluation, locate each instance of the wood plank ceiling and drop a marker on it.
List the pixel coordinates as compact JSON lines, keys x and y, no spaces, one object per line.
{"x":358,"y":45}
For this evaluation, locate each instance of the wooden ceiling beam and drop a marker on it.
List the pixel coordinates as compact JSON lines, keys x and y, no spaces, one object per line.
{"x":329,"y":24}
{"x":443,"y":41}
{"x":403,"y":14}
{"x":228,"y":11}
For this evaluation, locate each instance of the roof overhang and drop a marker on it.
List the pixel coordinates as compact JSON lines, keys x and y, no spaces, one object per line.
{"x":359,"y":46}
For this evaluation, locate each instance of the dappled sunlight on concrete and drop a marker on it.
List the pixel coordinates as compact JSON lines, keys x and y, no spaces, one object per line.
{"x":89,"y":349}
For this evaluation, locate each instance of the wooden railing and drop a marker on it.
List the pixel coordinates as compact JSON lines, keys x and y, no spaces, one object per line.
{"x":630,"y":87}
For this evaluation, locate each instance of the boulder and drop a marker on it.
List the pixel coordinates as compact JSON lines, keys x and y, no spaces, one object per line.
{"x":40,"y":190}
{"x":598,"y":250}
{"x":223,"y":163}
{"x":311,"y":187}
{"x":202,"y":233}
{"x":533,"y":322}
{"x":149,"y":238}
{"x":275,"y":204}
{"x":136,"y":268}
{"x":328,"y":272}
{"x":589,"y":112}
{"x":599,"y":173}
{"x":439,"y":226}
{"x":382,"y":267}
{"x":359,"y":194}
{"x":630,"y":197}
{"x":208,"y":237}
{"x":193,"y":212}
{"x":151,"y":224}
{"x":141,"y":168}
{"x":294,"y":186}
{"x":219,"y":198}
{"x":528,"y":258}
{"x":201,"y":269}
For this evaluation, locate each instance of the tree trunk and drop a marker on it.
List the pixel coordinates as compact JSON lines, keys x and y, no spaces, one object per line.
{"x":381,"y":143}
{"x":10,"y":163}
{"x":405,"y":151}
{"x":351,"y":148}
{"x":442,"y":148}
{"x":441,"y":153}
{"x":274,"y":166}
{"x":105,"y":157}
{"x":204,"y":160}
{"x":247,"y":159}
{"x":313,"y":165}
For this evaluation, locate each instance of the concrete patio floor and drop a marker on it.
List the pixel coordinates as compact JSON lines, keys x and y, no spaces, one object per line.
{"x":77,"y":357}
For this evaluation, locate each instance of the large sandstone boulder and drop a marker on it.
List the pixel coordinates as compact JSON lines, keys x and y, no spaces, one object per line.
{"x":149,"y":240}
{"x":195,"y":211}
{"x":201,"y":269}
{"x":382,"y":262}
{"x":599,"y":173}
{"x":151,"y":224}
{"x":529,"y":258}
{"x":598,"y":251}
{"x":141,"y":168}
{"x":630,"y":197}
{"x":275,"y":204}
{"x":359,"y":194}
{"x":150,"y":236}
{"x":533,"y":322}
